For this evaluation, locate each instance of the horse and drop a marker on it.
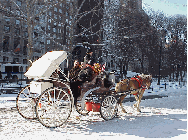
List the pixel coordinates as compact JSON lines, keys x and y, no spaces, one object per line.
{"x":135,"y":86}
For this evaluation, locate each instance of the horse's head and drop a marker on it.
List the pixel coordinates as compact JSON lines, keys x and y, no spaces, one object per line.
{"x":147,"y":80}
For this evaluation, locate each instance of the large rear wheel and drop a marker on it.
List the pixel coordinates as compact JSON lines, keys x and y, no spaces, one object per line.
{"x":54,"y":107}
{"x":25,"y":103}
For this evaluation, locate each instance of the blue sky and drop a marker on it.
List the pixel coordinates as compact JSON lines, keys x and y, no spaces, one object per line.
{"x":170,"y":7}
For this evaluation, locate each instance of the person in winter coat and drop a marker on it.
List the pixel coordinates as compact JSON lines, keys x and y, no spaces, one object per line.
{"x":74,"y":83}
{"x":73,"y":73}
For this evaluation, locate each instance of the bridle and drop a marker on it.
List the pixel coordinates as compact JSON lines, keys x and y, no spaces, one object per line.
{"x":147,"y":80}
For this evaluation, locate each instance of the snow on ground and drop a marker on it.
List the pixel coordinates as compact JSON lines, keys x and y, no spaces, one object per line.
{"x":160,"y":118}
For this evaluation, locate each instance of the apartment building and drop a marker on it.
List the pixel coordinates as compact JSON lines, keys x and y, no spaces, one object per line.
{"x":49,"y":29}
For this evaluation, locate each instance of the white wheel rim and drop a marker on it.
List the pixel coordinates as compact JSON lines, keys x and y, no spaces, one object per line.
{"x":53,"y":112}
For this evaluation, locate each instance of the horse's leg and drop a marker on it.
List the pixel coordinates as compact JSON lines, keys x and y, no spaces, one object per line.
{"x":136,"y":104}
{"x":136,"y":97}
{"x":139,"y":100}
{"x":120,"y":102}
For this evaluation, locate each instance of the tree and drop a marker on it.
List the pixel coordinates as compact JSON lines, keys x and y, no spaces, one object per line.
{"x":36,"y":14}
{"x":172,"y":37}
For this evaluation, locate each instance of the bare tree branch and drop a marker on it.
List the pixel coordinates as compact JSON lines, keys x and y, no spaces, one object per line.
{"x":12,"y":13}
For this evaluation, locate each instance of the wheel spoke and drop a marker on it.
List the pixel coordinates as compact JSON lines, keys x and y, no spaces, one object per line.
{"x":108,"y":107}
{"x":57,"y":110}
{"x":25,"y":103}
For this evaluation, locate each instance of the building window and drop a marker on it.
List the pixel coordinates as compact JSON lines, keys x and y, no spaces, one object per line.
{"x":59,"y":17}
{"x":8,"y":8}
{"x":48,"y":41}
{"x":7,"y":20}
{"x":55,"y":16}
{"x":59,"y":30}
{"x":17,"y":22}
{"x":60,"y":10}
{"x":5,"y":44}
{"x":19,"y":3}
{"x":17,"y":31}
{"x":55,"y":9}
{"x":25,"y":34}
{"x":17,"y":12}
{"x":50,"y":13}
{"x":48,"y":27}
{"x":15,"y":60}
{"x":5,"y":59}
{"x":25,"y":51}
{"x":7,"y":28}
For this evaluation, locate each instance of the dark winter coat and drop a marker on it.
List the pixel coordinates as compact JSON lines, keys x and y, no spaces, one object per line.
{"x":73,"y":73}
{"x":86,"y":74}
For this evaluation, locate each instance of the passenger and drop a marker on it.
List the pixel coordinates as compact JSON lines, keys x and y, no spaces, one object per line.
{"x":74,"y":83}
{"x":73,"y":73}
{"x":86,"y":74}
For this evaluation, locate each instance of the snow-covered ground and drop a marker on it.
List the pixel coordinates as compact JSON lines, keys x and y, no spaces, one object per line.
{"x":160,"y":118}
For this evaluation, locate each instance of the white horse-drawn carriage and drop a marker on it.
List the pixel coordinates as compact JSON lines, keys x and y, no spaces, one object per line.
{"x":49,"y":98}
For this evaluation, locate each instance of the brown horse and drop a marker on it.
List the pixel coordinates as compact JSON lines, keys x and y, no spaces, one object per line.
{"x":136,"y":86}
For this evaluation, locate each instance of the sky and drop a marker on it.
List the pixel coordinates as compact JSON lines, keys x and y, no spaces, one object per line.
{"x":170,"y":7}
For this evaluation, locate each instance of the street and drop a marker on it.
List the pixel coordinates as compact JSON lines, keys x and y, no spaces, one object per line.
{"x":159,"y":118}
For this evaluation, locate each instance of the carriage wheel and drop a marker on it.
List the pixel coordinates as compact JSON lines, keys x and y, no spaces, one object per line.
{"x":108,"y":109}
{"x":25,"y":103}
{"x":53,"y":107}
{"x":80,"y":110}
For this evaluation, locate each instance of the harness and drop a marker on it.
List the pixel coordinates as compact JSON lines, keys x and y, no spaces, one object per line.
{"x":140,"y":83}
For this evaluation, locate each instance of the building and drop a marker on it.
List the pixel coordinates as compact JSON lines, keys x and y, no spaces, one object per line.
{"x":61,"y":28}
{"x":49,"y":30}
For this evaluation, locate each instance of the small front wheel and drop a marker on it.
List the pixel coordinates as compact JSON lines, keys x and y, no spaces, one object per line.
{"x":81,"y":110}
{"x":108,"y":109}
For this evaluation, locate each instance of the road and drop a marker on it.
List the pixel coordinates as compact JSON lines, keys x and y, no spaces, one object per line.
{"x":160,"y":118}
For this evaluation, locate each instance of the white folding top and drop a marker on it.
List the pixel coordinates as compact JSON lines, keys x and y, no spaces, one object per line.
{"x":46,"y":65}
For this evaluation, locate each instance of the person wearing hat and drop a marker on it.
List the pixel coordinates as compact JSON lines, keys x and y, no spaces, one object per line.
{"x":90,"y":57}
{"x":86,"y":74}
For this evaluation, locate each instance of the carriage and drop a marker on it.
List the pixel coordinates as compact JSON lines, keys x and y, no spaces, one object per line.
{"x":49,"y":97}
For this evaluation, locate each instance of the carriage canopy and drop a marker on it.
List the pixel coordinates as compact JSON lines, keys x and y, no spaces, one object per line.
{"x":46,"y":65}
